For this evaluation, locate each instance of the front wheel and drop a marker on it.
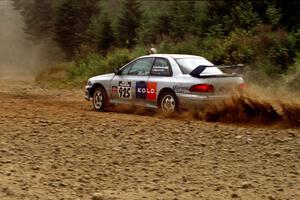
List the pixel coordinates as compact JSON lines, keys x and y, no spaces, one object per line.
{"x":99,"y":101}
{"x":168,"y":103}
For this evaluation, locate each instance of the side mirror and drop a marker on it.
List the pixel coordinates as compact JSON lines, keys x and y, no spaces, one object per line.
{"x":117,"y":71}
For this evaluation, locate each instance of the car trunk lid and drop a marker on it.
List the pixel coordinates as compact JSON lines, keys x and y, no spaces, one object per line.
{"x":222,"y":83}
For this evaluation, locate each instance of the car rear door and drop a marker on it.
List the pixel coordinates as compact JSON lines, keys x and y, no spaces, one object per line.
{"x":160,"y":77}
{"x":126,"y":87}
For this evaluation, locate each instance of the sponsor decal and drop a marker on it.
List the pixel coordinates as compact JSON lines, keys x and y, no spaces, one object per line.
{"x":181,"y":89}
{"x":151,"y":90}
{"x":146,"y":90}
{"x":114,"y":90}
{"x":124,"y":84}
{"x":141,"y":90}
{"x":124,"y":90}
{"x":160,"y":68}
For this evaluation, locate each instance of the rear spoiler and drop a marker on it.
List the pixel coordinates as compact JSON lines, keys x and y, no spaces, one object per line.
{"x":198,"y":70}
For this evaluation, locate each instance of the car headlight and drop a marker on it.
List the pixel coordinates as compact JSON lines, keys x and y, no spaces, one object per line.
{"x":89,"y":83}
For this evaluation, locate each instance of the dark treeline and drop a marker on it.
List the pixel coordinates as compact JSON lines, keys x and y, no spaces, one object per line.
{"x":264,"y":32}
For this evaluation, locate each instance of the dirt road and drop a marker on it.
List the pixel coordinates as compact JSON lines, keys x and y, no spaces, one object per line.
{"x":52,"y":146}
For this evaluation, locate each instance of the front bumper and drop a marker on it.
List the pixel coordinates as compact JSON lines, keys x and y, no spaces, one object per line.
{"x":88,"y":92}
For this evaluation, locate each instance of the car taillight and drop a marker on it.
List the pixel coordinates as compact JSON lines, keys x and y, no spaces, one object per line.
{"x":202,"y":88}
{"x":243,"y":86}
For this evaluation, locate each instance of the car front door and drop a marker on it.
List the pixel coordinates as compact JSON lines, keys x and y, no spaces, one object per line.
{"x":127,"y":87}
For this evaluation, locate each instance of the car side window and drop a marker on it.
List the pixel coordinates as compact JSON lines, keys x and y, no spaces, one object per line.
{"x":161,"y":67}
{"x":126,"y":69}
{"x":140,"y":67}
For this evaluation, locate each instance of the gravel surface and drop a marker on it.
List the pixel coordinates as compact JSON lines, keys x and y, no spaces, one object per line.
{"x":53,"y":146}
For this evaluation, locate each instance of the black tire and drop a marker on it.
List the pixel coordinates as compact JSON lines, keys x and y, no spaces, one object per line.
{"x":100,"y":99}
{"x":168,"y":103}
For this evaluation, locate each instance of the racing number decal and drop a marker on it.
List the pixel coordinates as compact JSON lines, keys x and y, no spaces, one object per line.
{"x":124,"y":90}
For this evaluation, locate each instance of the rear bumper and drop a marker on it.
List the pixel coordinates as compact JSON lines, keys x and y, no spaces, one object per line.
{"x":193,"y":100}
{"x":88,"y":93}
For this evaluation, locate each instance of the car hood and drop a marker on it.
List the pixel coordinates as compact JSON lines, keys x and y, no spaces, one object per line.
{"x":102,"y":77}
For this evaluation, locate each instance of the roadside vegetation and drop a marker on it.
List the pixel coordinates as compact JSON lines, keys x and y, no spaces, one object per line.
{"x":97,"y":36}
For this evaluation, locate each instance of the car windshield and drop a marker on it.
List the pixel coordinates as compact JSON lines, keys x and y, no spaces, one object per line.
{"x":187,"y":65}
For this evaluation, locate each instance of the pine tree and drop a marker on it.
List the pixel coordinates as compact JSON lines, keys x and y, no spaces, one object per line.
{"x":129,"y":22}
{"x":227,"y":16}
{"x":182,"y":16}
{"x":73,"y":19}
{"x":40,"y":24}
{"x":106,"y":33}
{"x":290,"y":13}
{"x":38,"y":17}
{"x":100,"y":35}
{"x":155,"y":24}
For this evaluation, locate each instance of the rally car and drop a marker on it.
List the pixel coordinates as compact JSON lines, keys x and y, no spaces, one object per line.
{"x":169,"y":82}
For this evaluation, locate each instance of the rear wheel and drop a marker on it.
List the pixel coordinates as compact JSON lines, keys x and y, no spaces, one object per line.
{"x":168,"y":103}
{"x":100,"y":99}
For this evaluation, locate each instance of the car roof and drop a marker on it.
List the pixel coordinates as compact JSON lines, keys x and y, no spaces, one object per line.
{"x":175,"y":56}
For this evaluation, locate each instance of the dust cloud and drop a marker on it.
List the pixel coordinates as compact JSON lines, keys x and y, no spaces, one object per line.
{"x":256,"y":106}
{"x":20,"y":58}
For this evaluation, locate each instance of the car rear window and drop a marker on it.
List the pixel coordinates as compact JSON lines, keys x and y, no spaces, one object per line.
{"x":187,"y":65}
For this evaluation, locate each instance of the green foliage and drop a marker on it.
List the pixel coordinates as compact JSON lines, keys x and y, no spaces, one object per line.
{"x":227,"y":16}
{"x":182,"y":15}
{"x":100,"y":35}
{"x":277,"y":46}
{"x":93,"y":33}
{"x":297,"y":38}
{"x":265,"y":35}
{"x":234,"y":49}
{"x":106,"y":33}
{"x":244,"y":16}
{"x":155,"y":26}
{"x":172,"y":19}
{"x":188,"y":46}
{"x":90,"y":65}
{"x":273,"y":16}
{"x":129,"y":22}
{"x":73,"y":19}
{"x":87,"y":66}
{"x":268,"y":51}
{"x":38,"y":18}
{"x":290,"y":13}
{"x":292,"y":78}
{"x":56,"y":76}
